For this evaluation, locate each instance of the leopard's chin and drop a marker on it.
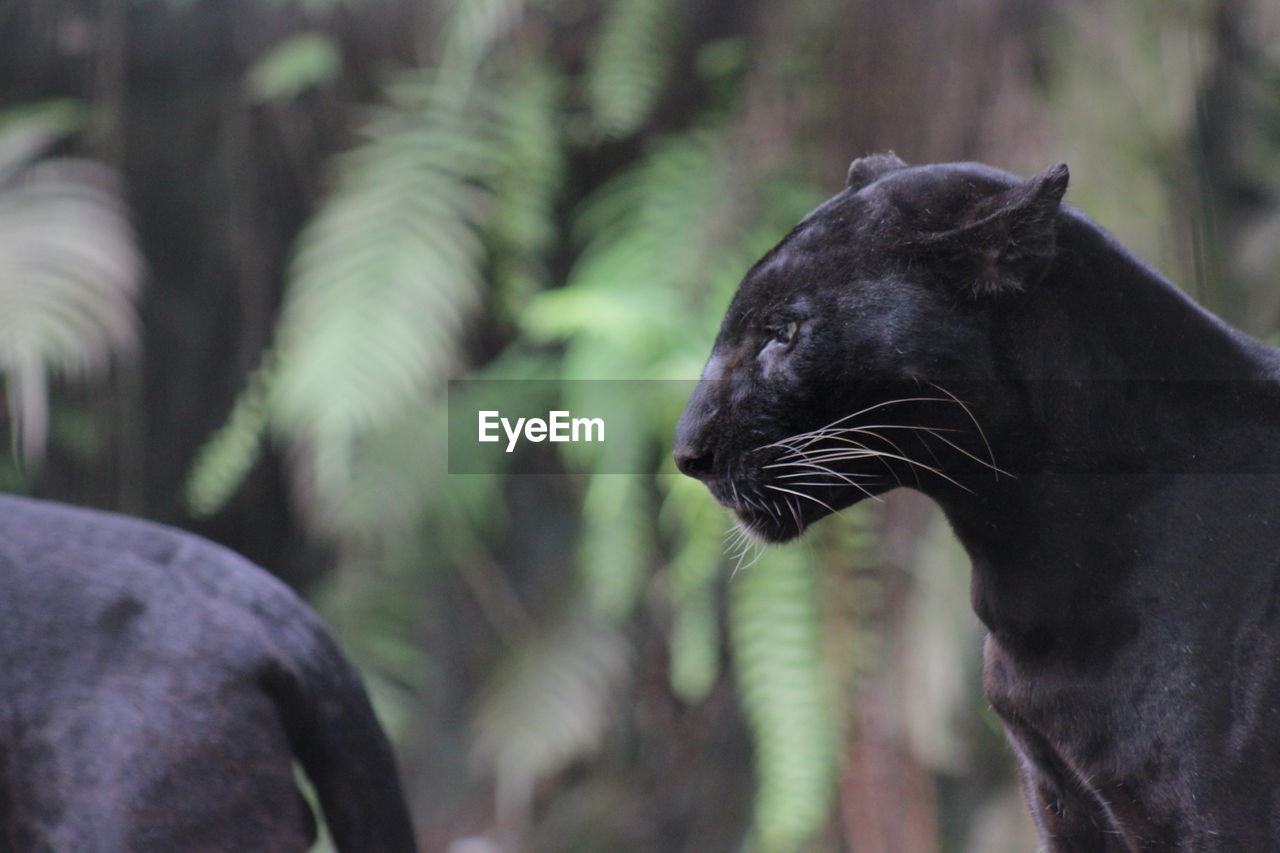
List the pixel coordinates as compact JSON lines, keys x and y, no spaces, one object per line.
{"x":773,"y":510}
{"x":768,"y":528}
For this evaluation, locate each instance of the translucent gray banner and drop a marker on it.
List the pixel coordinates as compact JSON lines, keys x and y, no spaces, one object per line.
{"x":1050,"y":426}
{"x":562,"y":427}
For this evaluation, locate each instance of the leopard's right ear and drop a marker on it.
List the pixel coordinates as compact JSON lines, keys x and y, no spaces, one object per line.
{"x":1005,"y":241}
{"x":866,"y":170}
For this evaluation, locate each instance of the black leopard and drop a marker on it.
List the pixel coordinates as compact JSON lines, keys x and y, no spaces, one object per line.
{"x":1106,"y":451}
{"x":156,"y":690}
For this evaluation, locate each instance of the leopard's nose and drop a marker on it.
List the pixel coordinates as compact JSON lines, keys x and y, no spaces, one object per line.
{"x":695,"y":462}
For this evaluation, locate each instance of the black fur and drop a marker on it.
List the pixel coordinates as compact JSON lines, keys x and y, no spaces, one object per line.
{"x":155,"y":689}
{"x":1107,"y":452}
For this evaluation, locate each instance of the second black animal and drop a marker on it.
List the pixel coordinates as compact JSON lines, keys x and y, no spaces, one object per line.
{"x":155,"y":691}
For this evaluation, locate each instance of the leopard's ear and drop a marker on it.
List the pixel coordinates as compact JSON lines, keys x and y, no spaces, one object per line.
{"x":866,"y":170}
{"x":1005,"y":242}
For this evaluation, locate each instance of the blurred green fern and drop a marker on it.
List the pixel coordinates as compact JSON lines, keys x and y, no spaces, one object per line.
{"x":449,"y":208}
{"x":383,"y":277}
{"x":70,"y":270}
{"x":387,"y":274}
{"x":775,"y":625}
{"x":654,"y":240}
{"x":630,"y":63}
{"x":472,"y":29}
{"x":646,"y":240}
{"x":293,"y":66}
{"x":696,"y":527}
{"x":547,"y":705}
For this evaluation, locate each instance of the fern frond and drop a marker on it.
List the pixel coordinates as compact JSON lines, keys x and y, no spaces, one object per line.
{"x":383,"y":279}
{"x":27,"y":131}
{"x":392,"y":478}
{"x":69,"y":267}
{"x":775,"y":629}
{"x":547,"y":705}
{"x":385,"y":274}
{"x":614,"y":548}
{"x":696,"y":526}
{"x":631,"y":62}
{"x":670,"y":203}
{"x":648,"y":237}
{"x":471,"y":30}
{"x":70,"y":273}
{"x":293,"y":66}
{"x":390,"y":269}
{"x":523,"y":227}
{"x":224,"y":461}
{"x":694,"y":645}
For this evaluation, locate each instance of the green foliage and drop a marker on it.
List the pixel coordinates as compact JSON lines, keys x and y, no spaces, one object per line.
{"x":385,"y":277}
{"x":694,"y":643}
{"x":547,"y":705}
{"x":449,"y":207}
{"x":615,"y":549}
{"x":176,"y":5}
{"x":775,"y":627}
{"x":455,"y":227}
{"x":394,"y":474}
{"x":27,"y":131}
{"x":663,"y":244}
{"x":649,"y":239}
{"x":631,"y":62}
{"x":472,"y":30}
{"x":224,"y":461}
{"x":383,"y":587}
{"x":446,"y":203}
{"x":526,"y":186}
{"x":696,"y":528}
{"x":654,"y":241}
{"x":298,"y":63}
{"x":386,"y":272}
{"x":69,"y":269}
{"x":622,"y":315}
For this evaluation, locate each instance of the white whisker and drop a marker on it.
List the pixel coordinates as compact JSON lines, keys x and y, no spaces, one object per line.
{"x":976,"y":425}
{"x":837,"y":456}
{"x":822,"y":504}
{"x":837,"y":421}
{"x":821,"y":470}
{"x":739,"y":565}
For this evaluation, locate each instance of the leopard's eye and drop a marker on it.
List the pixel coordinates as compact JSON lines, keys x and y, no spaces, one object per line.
{"x":779,"y":339}
{"x":783,"y":334}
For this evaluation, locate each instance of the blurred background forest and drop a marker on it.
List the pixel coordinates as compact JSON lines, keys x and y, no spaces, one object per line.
{"x":245,"y":244}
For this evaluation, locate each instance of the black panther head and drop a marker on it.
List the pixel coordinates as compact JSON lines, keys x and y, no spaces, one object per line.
{"x":850,"y":356}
